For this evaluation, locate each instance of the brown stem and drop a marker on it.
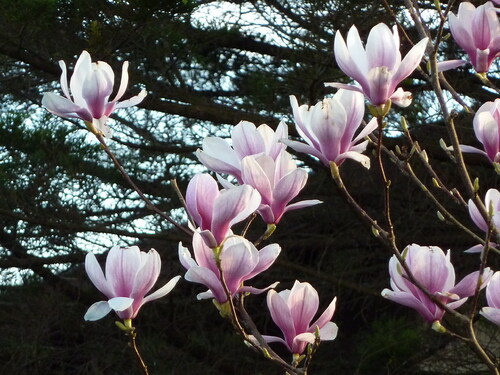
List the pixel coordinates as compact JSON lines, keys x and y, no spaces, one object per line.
{"x":132,"y":335}
{"x":127,"y":178}
{"x":385,"y":239}
{"x":261,"y":344}
{"x":386,"y":182}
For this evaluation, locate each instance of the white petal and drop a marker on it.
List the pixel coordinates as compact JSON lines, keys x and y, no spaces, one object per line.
{"x":97,"y":311}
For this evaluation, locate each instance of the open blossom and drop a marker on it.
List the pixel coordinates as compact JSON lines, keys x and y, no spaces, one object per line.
{"x":293,"y":310}
{"x":433,"y":269}
{"x":218,"y":156}
{"x":491,"y":202}
{"x":477,"y":31}
{"x":239,"y":261}
{"x":87,"y":96}
{"x":329,"y":127}
{"x":379,"y":68}
{"x":130,"y":274}
{"x":487,"y":129}
{"x":214,"y":211}
{"x":492,"y":311}
{"x":278,"y":182}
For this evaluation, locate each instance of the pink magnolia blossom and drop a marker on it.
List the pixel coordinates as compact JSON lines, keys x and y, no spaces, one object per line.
{"x":329,"y":127}
{"x":378,"y":69}
{"x":491,"y":202}
{"x":477,"y":31}
{"x":218,"y":156}
{"x":278,"y":182}
{"x":293,"y":310}
{"x":433,"y":269}
{"x":87,"y":96}
{"x":492,"y":312}
{"x":239,"y":261}
{"x":487,"y":129}
{"x":130,"y":274}
{"x":214,"y":211}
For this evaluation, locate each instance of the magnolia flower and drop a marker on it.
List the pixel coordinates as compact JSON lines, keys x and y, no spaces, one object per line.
{"x":130,"y":274}
{"x":433,"y":269}
{"x":328,"y":128}
{"x":218,"y":156}
{"x":487,"y":129}
{"x":492,"y":204}
{"x":87,"y":96}
{"x":214,"y":211}
{"x":492,"y":312}
{"x":278,"y":182}
{"x":293,"y":310}
{"x":477,"y":31}
{"x":379,"y":68}
{"x":238,"y":259}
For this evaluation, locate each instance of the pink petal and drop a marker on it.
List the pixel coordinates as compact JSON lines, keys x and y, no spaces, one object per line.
{"x":82,"y":68}
{"x":467,"y":286}
{"x":410,"y":62}
{"x":123,"y":82}
{"x":476,"y":216}
{"x":163,"y":291}
{"x":381,"y":49}
{"x":326,"y":316}
{"x":492,"y":314}
{"x":238,"y":258}
{"x":134,"y":100}
{"x":64,"y":107}
{"x":201,"y":193}
{"x":219,"y":157}
{"x":493,"y":291}
{"x":122,"y":265}
{"x":303,"y":302}
{"x":95,"y":274}
{"x":246,"y":139}
{"x":185,"y":257}
{"x":281,"y":315}
{"x":328,"y":332}
{"x":147,"y":275}
{"x":209,"y":279}
{"x":287,"y":189}
{"x":259,"y":174}
{"x":267,"y":256}
{"x":449,"y":64}
{"x":231,"y":207}
{"x":407,"y":299}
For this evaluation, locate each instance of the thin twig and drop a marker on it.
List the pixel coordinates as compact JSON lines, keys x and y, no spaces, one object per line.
{"x":127,"y":178}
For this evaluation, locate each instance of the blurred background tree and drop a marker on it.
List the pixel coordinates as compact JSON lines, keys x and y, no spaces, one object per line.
{"x":206,"y":65}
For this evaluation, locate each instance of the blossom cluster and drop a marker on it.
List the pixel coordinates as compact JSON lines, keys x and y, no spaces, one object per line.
{"x":256,"y":175}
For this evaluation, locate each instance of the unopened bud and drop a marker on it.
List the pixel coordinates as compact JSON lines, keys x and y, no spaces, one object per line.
{"x":440,"y":216}
{"x":438,"y":327}
{"x":476,"y":185}
{"x":398,"y":150}
{"x":497,"y":167}
{"x":375,"y":231}
{"x":436,"y":183}
{"x":404,"y":124}
{"x":424,"y":156}
{"x":224,"y":308}
{"x":334,"y":170}
{"x":443,"y":145}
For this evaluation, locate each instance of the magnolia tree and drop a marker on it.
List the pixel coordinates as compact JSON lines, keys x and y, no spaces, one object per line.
{"x":258,"y":179}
